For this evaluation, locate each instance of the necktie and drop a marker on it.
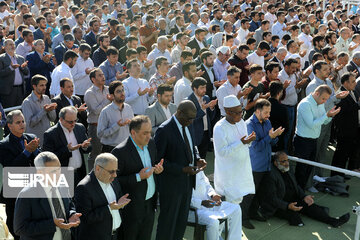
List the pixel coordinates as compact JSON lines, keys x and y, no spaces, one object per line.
{"x":66,"y":234}
{"x":187,"y":144}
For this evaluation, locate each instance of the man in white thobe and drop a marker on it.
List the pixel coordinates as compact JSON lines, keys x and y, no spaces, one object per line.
{"x":210,"y":209}
{"x":233,"y":175}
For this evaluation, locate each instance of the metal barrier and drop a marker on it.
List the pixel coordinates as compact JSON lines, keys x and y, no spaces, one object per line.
{"x":356,"y":209}
{"x":12,"y":109}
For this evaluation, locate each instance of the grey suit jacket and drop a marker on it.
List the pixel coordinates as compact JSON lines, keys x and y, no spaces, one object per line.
{"x":157,"y":115}
{"x":7,"y":75}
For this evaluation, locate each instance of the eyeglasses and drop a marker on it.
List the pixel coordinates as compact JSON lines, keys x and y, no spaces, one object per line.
{"x":72,"y":121}
{"x":111,"y":172}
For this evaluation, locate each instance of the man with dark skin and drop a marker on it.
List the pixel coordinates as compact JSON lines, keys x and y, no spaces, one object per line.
{"x":174,"y":143}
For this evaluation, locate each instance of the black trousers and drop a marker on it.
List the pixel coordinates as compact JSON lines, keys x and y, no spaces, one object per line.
{"x":9,"y":209}
{"x":139,"y":227}
{"x":250,"y":203}
{"x":304,"y":148}
{"x":346,"y":151}
{"x":314,"y":211}
{"x":15,"y":98}
{"x":204,"y":145}
{"x":174,"y":211}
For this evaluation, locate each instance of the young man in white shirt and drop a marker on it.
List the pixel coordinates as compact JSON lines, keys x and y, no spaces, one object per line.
{"x":257,"y":57}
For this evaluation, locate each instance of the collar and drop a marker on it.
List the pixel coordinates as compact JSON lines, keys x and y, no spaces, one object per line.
{"x":64,"y":65}
{"x":319,"y":80}
{"x":65,"y":129}
{"x":103,"y":185}
{"x":114,"y":106}
{"x":17,"y":138}
{"x":207,"y":69}
{"x":136,"y":146}
{"x":35,"y":98}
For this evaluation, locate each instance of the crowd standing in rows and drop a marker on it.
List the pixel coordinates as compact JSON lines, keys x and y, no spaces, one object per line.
{"x":147,"y":88}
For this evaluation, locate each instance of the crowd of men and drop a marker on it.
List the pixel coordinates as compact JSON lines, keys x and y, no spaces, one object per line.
{"x":141,"y":91}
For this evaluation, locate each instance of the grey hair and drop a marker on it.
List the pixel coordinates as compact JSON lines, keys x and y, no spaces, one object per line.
{"x":281,"y":50}
{"x":12,"y":114}
{"x":43,"y":158}
{"x":277,"y":155}
{"x":161,"y":39}
{"x":103,"y":159}
{"x":8,"y":41}
{"x":36,"y":42}
{"x":67,"y":109}
{"x":204,"y":14}
{"x":356,"y":55}
{"x":162,"y":20}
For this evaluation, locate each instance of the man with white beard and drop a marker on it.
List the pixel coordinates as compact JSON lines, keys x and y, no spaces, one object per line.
{"x":233,"y":175}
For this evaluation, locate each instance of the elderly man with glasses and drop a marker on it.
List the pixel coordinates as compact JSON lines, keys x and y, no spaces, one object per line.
{"x":68,"y":140}
{"x":99,"y":198}
{"x":284,"y":198}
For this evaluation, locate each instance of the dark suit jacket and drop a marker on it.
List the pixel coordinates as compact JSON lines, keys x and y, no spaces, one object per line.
{"x":122,"y":54}
{"x":278,"y":118}
{"x":7,"y":75}
{"x":55,"y":142}
{"x":60,"y":50}
{"x":91,"y":202}
{"x":90,"y":39}
{"x":351,"y":66}
{"x":175,"y":30}
{"x":129,"y":164}
{"x":61,"y":102}
{"x":274,"y":192}
{"x":198,"y":123}
{"x":347,"y":120}
{"x":171,"y":147}
{"x":12,"y":155}
{"x":194,"y":44}
{"x":117,"y":42}
{"x":33,"y":217}
{"x":209,"y":84}
{"x":38,"y":34}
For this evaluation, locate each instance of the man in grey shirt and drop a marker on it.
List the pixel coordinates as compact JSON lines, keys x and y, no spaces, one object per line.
{"x":96,"y":98}
{"x":38,"y":109}
{"x":114,"y":119}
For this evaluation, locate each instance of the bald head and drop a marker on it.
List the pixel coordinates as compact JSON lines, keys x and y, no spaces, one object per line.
{"x":186,"y":112}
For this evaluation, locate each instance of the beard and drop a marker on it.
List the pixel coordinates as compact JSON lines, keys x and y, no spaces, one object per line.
{"x":121,"y":100}
{"x":282,"y":168}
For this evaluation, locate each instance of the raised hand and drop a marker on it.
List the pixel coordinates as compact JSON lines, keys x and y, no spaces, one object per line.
{"x":292,"y":206}
{"x":81,"y":108}
{"x":145,"y":173}
{"x":143,"y":92}
{"x":122,"y":202}
{"x":86,"y":143}
{"x":75,"y":218}
{"x":73,"y":148}
{"x":24,"y":64}
{"x":248,"y":139}
{"x":332,"y":112}
{"x":121,"y":123}
{"x":342,"y":94}
{"x":32,"y":145}
{"x":159,"y":167}
{"x":60,"y":223}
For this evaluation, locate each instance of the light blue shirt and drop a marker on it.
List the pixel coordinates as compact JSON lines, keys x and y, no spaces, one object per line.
{"x":330,"y":103}
{"x":188,"y":137}
{"x":310,"y":117}
{"x":192,"y":27}
{"x":146,"y":161}
{"x":277,"y":29}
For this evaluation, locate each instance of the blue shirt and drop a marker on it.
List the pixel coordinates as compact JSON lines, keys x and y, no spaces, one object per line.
{"x":110,"y":71}
{"x":330,"y":103}
{"x":310,"y":117}
{"x":260,"y":149}
{"x":277,"y":29}
{"x":188,"y":137}
{"x":146,"y":161}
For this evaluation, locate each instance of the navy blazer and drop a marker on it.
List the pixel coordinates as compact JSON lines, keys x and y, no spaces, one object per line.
{"x":59,"y":52}
{"x":91,"y":202}
{"x":33,"y":219}
{"x":38,"y":66}
{"x":198,"y":123}
{"x":130,"y":164}
{"x":38,"y":34}
{"x":171,"y":147}
{"x":90,"y":38}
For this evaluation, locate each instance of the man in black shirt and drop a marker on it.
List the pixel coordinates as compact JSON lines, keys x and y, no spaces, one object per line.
{"x":285,"y":199}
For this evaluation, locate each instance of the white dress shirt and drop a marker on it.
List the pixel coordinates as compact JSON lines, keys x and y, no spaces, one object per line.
{"x":182,"y":90}
{"x":166,"y":111}
{"x":256,"y":59}
{"x":57,"y":234}
{"x":271,"y":18}
{"x":242,"y":34}
{"x":111,"y":197}
{"x":75,"y":161}
{"x":138,"y":103}
{"x":233,"y":174}
{"x":291,"y":97}
{"x":60,"y":72}
{"x":225,"y":90}
{"x":81,"y":80}
{"x":307,"y":45}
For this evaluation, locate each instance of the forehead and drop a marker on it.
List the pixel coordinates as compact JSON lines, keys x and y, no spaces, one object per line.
{"x":18,"y":118}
